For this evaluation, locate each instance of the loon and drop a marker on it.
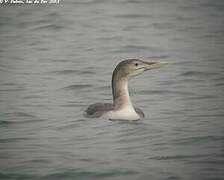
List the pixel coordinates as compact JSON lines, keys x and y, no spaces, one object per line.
{"x":122,"y":108}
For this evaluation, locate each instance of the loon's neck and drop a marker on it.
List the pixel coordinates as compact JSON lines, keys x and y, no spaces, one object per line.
{"x":121,"y":98}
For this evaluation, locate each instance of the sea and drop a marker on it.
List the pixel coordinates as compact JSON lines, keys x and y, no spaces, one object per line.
{"x":57,"y":59}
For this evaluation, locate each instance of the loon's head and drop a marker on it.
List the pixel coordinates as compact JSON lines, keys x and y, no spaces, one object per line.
{"x":133,"y":67}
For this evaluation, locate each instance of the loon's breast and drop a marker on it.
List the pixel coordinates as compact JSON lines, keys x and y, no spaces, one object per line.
{"x":127,"y":113}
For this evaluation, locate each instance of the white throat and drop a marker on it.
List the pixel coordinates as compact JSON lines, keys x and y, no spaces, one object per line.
{"x":123,"y":108}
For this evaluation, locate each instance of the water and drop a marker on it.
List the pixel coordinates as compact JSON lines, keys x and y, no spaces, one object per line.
{"x":55,"y":60}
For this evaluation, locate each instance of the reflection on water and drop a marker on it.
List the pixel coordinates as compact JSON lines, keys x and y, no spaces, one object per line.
{"x":55,"y":60}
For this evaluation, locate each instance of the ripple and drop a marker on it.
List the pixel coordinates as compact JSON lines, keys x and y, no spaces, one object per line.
{"x":66,"y":71}
{"x":167,"y":25}
{"x":13,"y":89}
{"x":133,"y":16}
{"x":78,"y":86}
{"x":89,"y":174}
{"x":198,"y":73}
{"x":202,"y":97}
{"x":162,"y":92}
{"x":22,"y":114}
{"x":198,"y":140}
{"x":219,"y":84}
{"x":33,"y":97}
{"x":207,"y":115}
{"x":12,"y":176}
{"x":87,"y":160}
{"x":17,"y":115}
{"x":9,"y":84}
{"x":5,"y":123}
{"x":131,"y":48}
{"x":71,"y":71}
{"x":173,"y":178}
{"x":54,"y":27}
{"x":69,"y":126}
{"x":81,"y":2}
{"x":135,"y":47}
{"x":176,"y":157}
{"x":136,"y":1}
{"x":217,"y":161}
{"x":8,"y":140}
{"x":19,"y":118}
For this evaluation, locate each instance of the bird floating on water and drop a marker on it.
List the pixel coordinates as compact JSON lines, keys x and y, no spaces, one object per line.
{"x":122,"y":108}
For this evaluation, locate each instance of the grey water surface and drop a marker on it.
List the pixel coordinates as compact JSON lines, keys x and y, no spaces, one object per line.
{"x":57,"y":59}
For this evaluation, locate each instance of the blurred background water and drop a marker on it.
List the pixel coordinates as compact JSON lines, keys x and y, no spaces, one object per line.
{"x":55,"y":60}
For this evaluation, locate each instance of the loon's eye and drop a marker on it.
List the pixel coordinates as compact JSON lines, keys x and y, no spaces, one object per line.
{"x":136,"y":64}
